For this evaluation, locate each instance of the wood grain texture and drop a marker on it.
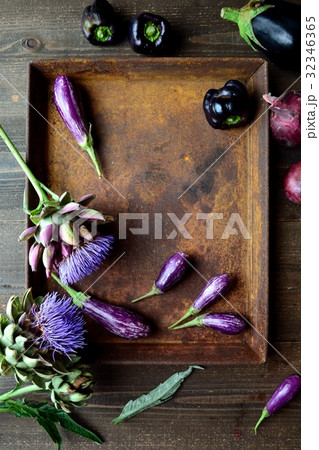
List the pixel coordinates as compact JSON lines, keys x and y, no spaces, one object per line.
{"x":216,"y":408}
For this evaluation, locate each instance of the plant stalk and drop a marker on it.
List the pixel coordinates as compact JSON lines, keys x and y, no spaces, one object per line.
{"x":21,"y":391}
{"x":33,"y":180}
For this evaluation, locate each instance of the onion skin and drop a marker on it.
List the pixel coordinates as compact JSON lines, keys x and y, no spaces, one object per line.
{"x":292,"y":183}
{"x":213,"y":289}
{"x":285,"y":118}
{"x":223,"y":322}
{"x":286,"y":391}
{"x":117,"y":320}
{"x":171,"y":272}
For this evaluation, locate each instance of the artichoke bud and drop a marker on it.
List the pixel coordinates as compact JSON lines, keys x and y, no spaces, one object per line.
{"x":20,"y":353}
{"x":71,"y":390}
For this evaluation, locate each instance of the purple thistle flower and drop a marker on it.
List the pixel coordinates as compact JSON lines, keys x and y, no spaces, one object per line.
{"x":58,"y":324}
{"x":85,"y":259}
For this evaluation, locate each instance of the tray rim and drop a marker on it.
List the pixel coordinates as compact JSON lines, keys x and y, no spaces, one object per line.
{"x":172,"y":61}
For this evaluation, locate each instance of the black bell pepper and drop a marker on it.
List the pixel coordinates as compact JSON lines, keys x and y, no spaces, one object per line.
{"x":228,"y":107}
{"x":150,"y":34}
{"x":100,"y":24}
{"x":272,"y":27}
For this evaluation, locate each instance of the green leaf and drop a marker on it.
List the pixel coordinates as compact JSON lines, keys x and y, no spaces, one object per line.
{"x":160,"y":394}
{"x":46,"y":416}
{"x":52,"y":431}
{"x":69,"y":424}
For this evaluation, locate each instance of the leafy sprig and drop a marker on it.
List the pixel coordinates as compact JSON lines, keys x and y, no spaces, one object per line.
{"x":47,"y":416}
{"x":162,"y":393}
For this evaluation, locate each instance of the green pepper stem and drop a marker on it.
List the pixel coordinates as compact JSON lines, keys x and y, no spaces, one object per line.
{"x":191,"y":312}
{"x":21,"y":391}
{"x":78,"y":297}
{"x":232,"y":14}
{"x":102,"y":33}
{"x":263,"y":416}
{"x":153,"y":291}
{"x":33,"y":180}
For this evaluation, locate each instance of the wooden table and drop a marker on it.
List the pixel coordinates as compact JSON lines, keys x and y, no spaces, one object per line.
{"x":216,"y":408}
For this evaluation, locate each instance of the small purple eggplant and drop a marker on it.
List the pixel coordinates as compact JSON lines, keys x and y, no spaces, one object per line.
{"x":172,"y":271}
{"x":116,"y":319}
{"x":70,"y":109}
{"x":225,"y":323}
{"x":215,"y":287}
{"x":282,"y":395}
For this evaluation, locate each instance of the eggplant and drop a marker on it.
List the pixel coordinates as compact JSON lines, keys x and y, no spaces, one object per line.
{"x":150,"y":34}
{"x":286,"y":391}
{"x":213,"y":289}
{"x":172,"y":271}
{"x":117,"y":319}
{"x":70,"y":109}
{"x":100,"y":24}
{"x":223,"y":322}
{"x":227,"y":107}
{"x":272,"y":27}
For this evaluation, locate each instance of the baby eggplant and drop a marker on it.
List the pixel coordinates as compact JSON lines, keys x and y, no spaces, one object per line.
{"x":213,"y":289}
{"x":272,"y":27}
{"x":223,"y":322}
{"x":69,"y":107}
{"x":282,"y":395}
{"x":172,"y":271}
{"x":100,"y":25}
{"x":150,"y":34}
{"x":116,"y":319}
{"x":227,"y":107}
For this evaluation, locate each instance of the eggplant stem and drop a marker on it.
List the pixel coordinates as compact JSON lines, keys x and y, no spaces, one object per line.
{"x":153,"y":291}
{"x":88,"y":147}
{"x":263,"y":416}
{"x":197,"y":322}
{"x":190,"y":312}
{"x":78,"y":297}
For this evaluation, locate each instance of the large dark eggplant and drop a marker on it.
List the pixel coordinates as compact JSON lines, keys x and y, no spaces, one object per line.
{"x":272,"y":27}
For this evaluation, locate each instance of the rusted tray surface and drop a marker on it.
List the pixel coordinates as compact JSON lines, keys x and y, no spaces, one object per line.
{"x":153,"y":142}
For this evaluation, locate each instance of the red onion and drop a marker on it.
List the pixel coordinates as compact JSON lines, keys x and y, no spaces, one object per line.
{"x":292,"y":183}
{"x":285,"y":118}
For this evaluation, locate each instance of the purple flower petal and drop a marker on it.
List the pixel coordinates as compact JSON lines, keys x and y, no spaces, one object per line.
{"x":58,"y":324}
{"x":35,"y":255}
{"x":86,"y":199}
{"x":85,"y":259}
{"x":26,"y":234}
{"x":46,"y":234}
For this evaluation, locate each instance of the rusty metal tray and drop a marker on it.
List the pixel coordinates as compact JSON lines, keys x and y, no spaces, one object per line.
{"x":160,"y":158}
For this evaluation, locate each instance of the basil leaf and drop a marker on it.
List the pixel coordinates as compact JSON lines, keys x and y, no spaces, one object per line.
{"x":160,"y":394}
